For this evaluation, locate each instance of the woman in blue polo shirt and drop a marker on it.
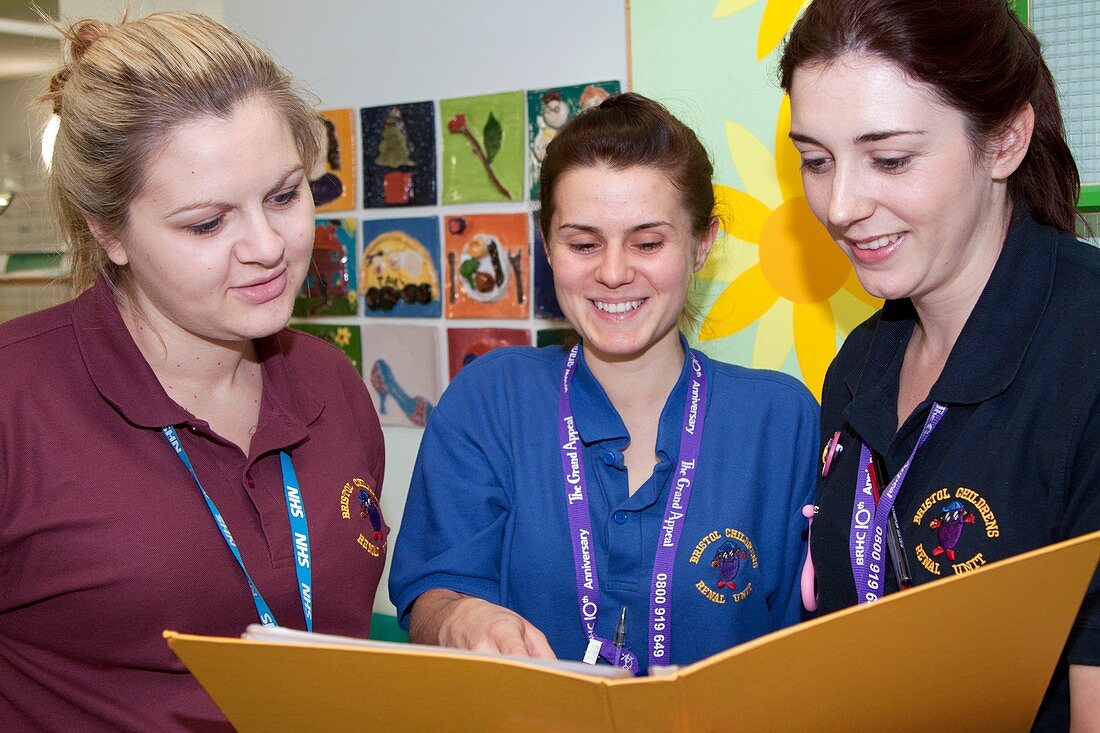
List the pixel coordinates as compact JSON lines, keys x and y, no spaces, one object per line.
{"x":933,"y":150}
{"x":630,"y":484}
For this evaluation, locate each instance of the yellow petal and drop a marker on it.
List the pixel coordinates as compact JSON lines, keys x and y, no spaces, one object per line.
{"x":779,"y":16}
{"x":739,"y":213}
{"x":754,"y":163}
{"x":852,"y":286}
{"x":788,"y":163}
{"x":740,"y":304}
{"x":729,"y":7}
{"x":850,"y":311}
{"x":814,"y":342}
{"x":774,"y":336}
{"x":728,"y":258}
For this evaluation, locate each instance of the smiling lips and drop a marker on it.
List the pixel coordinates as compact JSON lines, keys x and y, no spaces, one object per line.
{"x":877,"y":242}
{"x":261,"y":292}
{"x":617,"y":308}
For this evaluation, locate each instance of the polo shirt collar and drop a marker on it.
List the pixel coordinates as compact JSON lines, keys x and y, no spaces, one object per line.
{"x":596,"y":417}
{"x":991,"y":347}
{"x":126,"y":381}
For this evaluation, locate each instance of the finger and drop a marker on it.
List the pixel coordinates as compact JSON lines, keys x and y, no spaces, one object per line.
{"x":537,"y":645}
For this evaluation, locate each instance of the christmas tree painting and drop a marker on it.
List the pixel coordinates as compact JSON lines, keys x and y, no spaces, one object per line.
{"x":394,"y":152}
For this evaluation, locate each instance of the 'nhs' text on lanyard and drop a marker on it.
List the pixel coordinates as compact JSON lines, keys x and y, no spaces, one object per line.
{"x":299,"y":530}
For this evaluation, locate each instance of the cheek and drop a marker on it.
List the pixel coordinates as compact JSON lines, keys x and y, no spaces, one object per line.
{"x":817,"y":196}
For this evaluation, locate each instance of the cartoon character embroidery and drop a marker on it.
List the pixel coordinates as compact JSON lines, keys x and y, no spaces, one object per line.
{"x":368,"y":507}
{"x":728,"y":561}
{"x":949,"y":527}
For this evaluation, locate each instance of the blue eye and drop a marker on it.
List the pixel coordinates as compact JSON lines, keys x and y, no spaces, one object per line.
{"x":206,"y":227}
{"x":286,"y":198}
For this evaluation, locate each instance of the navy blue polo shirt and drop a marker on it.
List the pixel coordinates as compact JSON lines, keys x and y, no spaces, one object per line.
{"x":1015,"y":463}
{"x":486,"y":512}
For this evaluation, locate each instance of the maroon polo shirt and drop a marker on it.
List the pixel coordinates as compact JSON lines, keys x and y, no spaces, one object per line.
{"x":105,"y":540}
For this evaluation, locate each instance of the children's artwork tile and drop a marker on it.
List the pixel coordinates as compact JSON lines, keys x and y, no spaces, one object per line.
{"x":555,"y":337}
{"x":346,"y":338}
{"x":466,"y":344}
{"x":330,"y":285}
{"x":545,"y":298}
{"x":402,"y":365}
{"x":487,"y":266}
{"x":399,"y":155}
{"x":334,"y":190}
{"x":547,"y":112}
{"x":400,"y":274}
{"x":483,"y":148}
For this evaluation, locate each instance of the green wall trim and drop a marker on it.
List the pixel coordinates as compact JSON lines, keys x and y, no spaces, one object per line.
{"x":383,"y":627}
{"x":1090,"y":198}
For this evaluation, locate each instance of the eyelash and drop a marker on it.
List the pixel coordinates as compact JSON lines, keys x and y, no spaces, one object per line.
{"x":586,"y":247}
{"x":814,"y":165}
{"x":282,"y":200}
{"x":893,"y":165}
{"x":886,"y":165}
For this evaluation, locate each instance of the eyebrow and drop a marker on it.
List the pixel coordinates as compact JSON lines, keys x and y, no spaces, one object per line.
{"x":221,"y":204}
{"x":867,"y":137}
{"x":597,"y":230}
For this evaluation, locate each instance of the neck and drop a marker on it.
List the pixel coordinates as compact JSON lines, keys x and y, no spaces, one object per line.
{"x":642,"y":382}
{"x":943,"y":311}
{"x":186,"y":362}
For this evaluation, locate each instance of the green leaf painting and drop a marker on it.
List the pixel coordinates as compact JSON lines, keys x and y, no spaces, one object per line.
{"x":493,"y":137}
{"x":483,"y":148}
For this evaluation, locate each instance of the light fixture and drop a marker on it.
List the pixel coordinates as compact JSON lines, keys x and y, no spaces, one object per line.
{"x":49,"y":135}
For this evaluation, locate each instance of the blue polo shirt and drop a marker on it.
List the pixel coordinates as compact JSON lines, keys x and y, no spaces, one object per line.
{"x":1015,"y":462}
{"x":486,"y":512}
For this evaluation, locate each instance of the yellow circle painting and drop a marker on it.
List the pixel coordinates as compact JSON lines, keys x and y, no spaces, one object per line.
{"x":396,"y":267}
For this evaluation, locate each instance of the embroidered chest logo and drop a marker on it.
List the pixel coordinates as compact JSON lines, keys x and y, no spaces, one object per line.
{"x":725,"y":558}
{"x":949,"y":519}
{"x":358,"y":497}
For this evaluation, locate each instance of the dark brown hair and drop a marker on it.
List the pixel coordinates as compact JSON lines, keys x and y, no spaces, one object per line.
{"x":624,"y":131}
{"x":977,"y":57}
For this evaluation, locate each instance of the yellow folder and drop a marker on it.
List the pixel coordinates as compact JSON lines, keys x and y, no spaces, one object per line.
{"x":970,"y":652}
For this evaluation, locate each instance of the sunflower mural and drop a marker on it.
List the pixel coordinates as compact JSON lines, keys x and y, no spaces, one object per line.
{"x":776,"y":292}
{"x":779,"y":16}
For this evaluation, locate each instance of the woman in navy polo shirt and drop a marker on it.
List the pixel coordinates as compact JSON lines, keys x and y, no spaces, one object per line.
{"x":168,"y":405}
{"x":968,"y":408}
{"x":629,"y":500}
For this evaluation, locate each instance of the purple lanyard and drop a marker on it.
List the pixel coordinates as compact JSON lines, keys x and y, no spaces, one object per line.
{"x":867,"y":538}
{"x":580,"y":521}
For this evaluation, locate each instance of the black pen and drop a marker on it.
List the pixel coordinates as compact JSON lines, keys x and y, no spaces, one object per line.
{"x":894,"y":544}
{"x":620,"y":636}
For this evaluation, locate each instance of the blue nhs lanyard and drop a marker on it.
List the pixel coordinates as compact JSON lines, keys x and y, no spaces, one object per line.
{"x":295,"y":509}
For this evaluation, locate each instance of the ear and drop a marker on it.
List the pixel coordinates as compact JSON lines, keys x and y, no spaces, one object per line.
{"x":1010,"y":146}
{"x":111,"y":244}
{"x":702,"y":248}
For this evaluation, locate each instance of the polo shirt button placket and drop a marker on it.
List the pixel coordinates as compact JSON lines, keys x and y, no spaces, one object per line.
{"x":248,"y":480}
{"x":620,"y":517}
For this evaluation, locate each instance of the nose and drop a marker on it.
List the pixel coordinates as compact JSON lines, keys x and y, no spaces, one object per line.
{"x":614,"y":268}
{"x":261,"y":242}
{"x":849,"y":199}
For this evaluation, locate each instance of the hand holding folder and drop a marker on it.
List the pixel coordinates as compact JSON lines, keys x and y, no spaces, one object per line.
{"x":999,"y":630}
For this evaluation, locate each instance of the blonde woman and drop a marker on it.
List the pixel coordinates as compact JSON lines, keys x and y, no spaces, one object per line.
{"x":167,"y":405}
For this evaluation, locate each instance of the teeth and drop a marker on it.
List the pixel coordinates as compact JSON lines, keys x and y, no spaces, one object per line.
{"x":878,"y":243}
{"x":618,"y":307}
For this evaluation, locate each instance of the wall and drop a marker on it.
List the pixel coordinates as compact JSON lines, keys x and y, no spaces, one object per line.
{"x":371,"y":53}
